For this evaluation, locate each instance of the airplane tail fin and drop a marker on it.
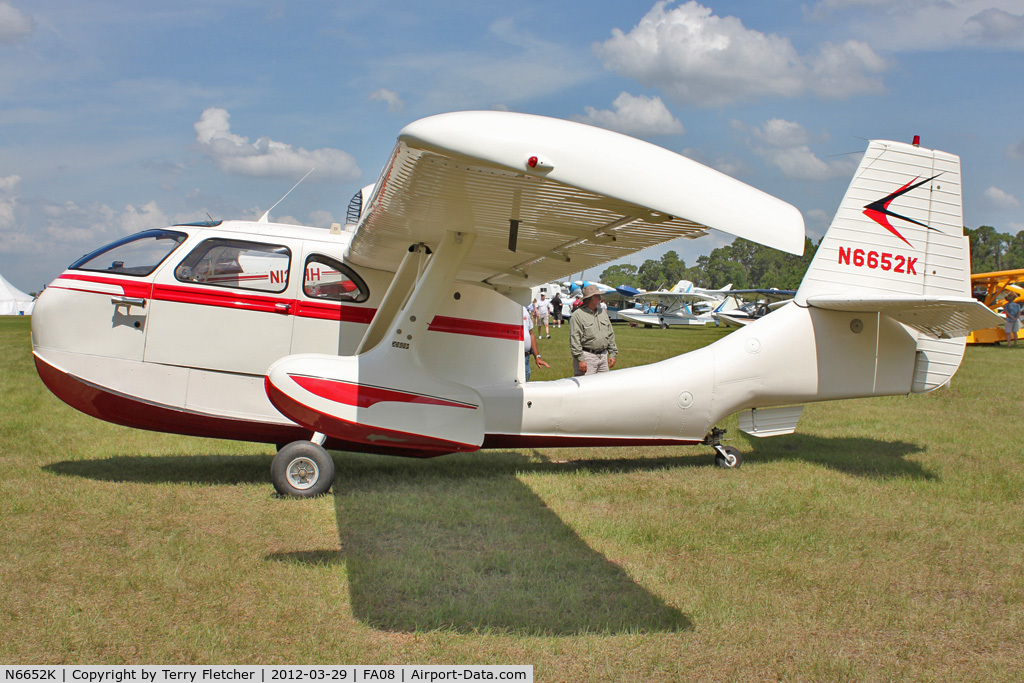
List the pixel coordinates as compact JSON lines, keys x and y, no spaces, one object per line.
{"x":896,"y":248}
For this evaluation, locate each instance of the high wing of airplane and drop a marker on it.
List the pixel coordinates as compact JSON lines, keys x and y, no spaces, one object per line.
{"x":402,"y":333}
{"x":538,"y":218}
{"x":991,"y":289}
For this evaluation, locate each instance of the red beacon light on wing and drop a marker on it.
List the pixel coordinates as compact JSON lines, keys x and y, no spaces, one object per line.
{"x":917,"y":141}
{"x":538,"y":164}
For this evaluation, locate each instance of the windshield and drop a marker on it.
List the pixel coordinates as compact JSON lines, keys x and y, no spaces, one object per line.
{"x":137,"y":255}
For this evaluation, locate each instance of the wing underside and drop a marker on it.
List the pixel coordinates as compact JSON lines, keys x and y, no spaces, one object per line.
{"x":547,"y":198}
{"x":529,"y":230}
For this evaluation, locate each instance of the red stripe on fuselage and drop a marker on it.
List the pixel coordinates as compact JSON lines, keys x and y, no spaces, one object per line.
{"x":130,"y":287}
{"x":224,"y":297}
{"x":327,"y":311}
{"x":476,"y":328}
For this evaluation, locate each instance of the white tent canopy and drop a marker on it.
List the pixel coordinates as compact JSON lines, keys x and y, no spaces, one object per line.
{"x":13,"y":301}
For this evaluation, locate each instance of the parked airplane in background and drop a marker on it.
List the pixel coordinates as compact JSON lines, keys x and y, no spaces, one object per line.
{"x":765,"y":301}
{"x":614,"y":298}
{"x":991,"y":289}
{"x":403,"y":334}
{"x":682,"y":305}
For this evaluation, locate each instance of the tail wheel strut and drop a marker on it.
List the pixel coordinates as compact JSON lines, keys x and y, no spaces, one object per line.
{"x":726,"y":457}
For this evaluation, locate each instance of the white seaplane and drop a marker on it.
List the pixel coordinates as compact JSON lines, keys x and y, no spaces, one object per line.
{"x":683,"y":305}
{"x":403,"y":333}
{"x":743,"y":312}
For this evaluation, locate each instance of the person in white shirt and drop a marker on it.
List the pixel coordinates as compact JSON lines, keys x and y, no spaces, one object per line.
{"x":543,"y":311}
{"x":530,"y":343}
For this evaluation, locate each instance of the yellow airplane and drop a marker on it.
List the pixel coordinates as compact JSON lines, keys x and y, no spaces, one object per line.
{"x":991,"y":289}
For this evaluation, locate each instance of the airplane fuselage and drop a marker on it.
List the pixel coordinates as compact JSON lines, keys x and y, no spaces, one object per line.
{"x":183,"y":345}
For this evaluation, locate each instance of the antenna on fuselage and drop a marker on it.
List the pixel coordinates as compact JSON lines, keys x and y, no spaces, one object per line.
{"x":265,"y":218}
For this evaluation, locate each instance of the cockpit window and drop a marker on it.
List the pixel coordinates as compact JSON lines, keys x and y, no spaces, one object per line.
{"x":326,"y":278}
{"x":137,"y":255}
{"x":237,"y":264}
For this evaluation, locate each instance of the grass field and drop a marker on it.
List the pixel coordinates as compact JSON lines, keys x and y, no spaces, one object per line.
{"x":883,"y":541}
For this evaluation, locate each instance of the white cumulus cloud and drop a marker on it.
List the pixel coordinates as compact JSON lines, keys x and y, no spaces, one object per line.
{"x":8,"y":200}
{"x":927,"y":24}
{"x":390,"y":98}
{"x":14,"y":25}
{"x":634,"y":115}
{"x":786,"y":146}
{"x":266,"y":158}
{"x":696,"y":57}
{"x":9,"y":184}
{"x":994,"y":25}
{"x":1016,"y":150}
{"x":1001,"y":199}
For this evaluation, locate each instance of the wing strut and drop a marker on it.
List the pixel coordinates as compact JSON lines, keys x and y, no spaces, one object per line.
{"x":417,"y":291}
{"x":386,"y":395}
{"x":398,"y":292}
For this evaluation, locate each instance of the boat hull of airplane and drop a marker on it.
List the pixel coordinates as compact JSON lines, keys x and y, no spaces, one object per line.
{"x":119,"y":405}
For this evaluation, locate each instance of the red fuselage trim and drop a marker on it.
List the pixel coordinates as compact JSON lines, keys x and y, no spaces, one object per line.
{"x":225,"y":297}
{"x":364,"y":395}
{"x":111,"y":406}
{"x":344,"y":430}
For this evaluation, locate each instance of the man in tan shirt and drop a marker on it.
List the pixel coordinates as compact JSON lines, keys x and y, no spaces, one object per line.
{"x":591,"y":337}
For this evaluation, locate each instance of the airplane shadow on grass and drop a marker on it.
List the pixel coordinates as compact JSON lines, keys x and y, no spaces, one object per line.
{"x":173,"y":469}
{"x":859,"y":456}
{"x":460,"y":543}
{"x":433,"y":545}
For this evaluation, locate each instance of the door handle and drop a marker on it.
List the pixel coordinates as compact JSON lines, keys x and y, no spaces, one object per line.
{"x":282,"y":308}
{"x":128,"y":301}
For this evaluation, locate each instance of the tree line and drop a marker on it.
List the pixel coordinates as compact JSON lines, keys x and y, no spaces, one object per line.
{"x":745,"y":264}
{"x":748,"y":265}
{"x":991,"y":250}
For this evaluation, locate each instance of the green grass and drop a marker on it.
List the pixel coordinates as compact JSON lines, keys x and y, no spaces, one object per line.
{"x":883,"y":541}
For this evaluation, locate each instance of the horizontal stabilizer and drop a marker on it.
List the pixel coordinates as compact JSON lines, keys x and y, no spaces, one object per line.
{"x":939,"y":317}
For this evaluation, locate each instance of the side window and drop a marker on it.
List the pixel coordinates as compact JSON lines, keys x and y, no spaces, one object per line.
{"x":237,"y":264}
{"x":326,"y":278}
{"x":137,"y":255}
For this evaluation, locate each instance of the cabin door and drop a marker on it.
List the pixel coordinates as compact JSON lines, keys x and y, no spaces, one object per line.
{"x":226,"y":306}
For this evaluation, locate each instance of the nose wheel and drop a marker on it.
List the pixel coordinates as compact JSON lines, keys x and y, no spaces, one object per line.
{"x":302,"y":469}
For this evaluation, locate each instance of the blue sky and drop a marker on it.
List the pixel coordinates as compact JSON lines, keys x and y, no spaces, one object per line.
{"x":116,"y":116}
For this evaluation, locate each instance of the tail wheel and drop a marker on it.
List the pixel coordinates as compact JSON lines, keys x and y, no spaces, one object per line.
{"x":302,"y":469}
{"x":728,"y":457}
